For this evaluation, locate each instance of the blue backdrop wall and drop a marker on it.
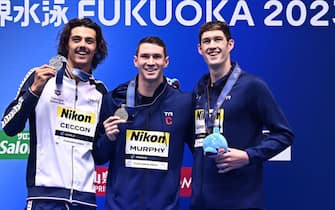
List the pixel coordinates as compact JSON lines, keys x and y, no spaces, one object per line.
{"x":290,"y":44}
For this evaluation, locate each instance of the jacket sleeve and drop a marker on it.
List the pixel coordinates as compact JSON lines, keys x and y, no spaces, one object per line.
{"x":21,"y":108}
{"x":280,"y":135}
{"x":190,"y":128}
{"x":103,"y":147}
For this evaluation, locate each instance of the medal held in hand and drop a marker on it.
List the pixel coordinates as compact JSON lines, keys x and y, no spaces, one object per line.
{"x":57,"y":62}
{"x":122,"y":112}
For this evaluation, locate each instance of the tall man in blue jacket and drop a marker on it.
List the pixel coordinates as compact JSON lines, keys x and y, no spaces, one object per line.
{"x":144,"y":126}
{"x":238,"y":105}
{"x":62,"y":100}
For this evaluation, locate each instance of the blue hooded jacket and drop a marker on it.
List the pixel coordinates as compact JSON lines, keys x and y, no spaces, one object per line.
{"x":146,"y":158}
{"x":248,"y":109}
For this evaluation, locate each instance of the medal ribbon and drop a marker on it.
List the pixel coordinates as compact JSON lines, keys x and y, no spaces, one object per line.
{"x":60,"y":74}
{"x":130,"y":101}
{"x":83,"y":76}
{"x":131,"y":93}
{"x":210,"y":119}
{"x":59,"y":63}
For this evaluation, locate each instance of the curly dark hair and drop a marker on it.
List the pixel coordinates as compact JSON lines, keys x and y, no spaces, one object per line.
{"x":63,"y":49}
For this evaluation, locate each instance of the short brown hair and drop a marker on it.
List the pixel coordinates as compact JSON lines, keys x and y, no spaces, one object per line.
{"x":215,"y":25}
{"x":152,"y":40}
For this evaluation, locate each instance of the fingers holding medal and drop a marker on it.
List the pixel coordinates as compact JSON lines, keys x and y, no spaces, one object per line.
{"x":112,"y":122}
{"x":57,"y":62}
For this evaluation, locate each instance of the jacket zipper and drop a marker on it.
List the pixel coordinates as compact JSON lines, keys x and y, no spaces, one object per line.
{"x":76,"y":96}
{"x":143,"y":197}
{"x":72,"y":175}
{"x":72,"y":148}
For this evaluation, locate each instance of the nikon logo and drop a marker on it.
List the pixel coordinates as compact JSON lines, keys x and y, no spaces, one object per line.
{"x":16,"y":147}
{"x":73,"y":114}
{"x":148,"y":136}
{"x":200,"y":114}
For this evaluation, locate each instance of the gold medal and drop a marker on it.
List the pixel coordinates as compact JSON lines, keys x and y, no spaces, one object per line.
{"x":122,"y":112}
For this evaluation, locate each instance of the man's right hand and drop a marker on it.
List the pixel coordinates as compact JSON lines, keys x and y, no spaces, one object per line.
{"x":42,"y":75}
{"x":111,"y":126}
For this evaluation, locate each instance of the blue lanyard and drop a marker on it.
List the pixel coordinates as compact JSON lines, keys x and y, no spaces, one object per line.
{"x":131,"y":93}
{"x":60,"y":74}
{"x":83,"y":76}
{"x":210,"y":119}
{"x":59,"y":63}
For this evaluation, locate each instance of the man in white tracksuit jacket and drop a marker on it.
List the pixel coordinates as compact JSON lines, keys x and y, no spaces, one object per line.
{"x":62,"y":105}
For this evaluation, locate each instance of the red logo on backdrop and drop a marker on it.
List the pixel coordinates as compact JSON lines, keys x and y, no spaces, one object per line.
{"x":185,"y":181}
{"x":100,"y":180}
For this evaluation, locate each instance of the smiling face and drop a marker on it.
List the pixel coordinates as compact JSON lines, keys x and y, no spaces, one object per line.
{"x":82,"y":47}
{"x":150,"y":61}
{"x":215,"y":49}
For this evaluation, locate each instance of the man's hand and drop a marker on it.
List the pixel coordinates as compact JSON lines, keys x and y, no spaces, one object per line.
{"x":111,"y":126}
{"x":231,"y":160}
{"x":42,"y":75}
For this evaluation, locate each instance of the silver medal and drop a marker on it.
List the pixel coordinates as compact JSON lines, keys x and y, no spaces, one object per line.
{"x":57,"y":62}
{"x":122,"y":112}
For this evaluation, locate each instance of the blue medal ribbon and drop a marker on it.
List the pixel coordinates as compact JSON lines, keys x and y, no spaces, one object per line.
{"x":59,"y":63}
{"x":130,"y":100}
{"x":131,"y":93}
{"x":83,"y":76}
{"x":60,"y":74}
{"x":55,"y":62}
{"x":210,"y":119}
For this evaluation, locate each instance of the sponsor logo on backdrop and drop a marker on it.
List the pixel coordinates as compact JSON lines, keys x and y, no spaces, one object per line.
{"x":15,"y":147}
{"x":185,"y":182}
{"x":101,"y":179}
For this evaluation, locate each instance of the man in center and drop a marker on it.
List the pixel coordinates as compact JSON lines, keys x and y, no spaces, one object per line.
{"x":144,"y":126}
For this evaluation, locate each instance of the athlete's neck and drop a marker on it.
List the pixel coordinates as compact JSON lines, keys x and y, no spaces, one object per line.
{"x":218,"y":71}
{"x":148,"y":88}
